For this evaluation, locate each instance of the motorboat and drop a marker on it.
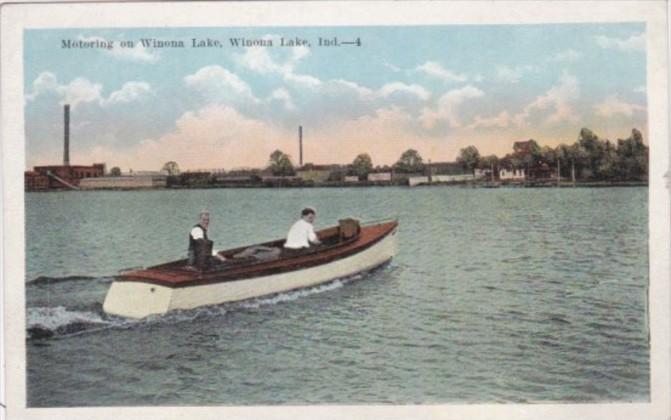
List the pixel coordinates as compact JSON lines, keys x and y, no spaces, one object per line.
{"x":252,"y":271}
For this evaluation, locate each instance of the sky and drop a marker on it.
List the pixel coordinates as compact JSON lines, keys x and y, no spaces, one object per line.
{"x":435,"y":89}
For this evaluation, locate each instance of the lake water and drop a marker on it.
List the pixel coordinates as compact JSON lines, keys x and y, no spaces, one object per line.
{"x":496,"y":295}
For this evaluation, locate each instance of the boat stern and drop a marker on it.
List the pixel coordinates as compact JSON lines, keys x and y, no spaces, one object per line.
{"x":136,"y":299}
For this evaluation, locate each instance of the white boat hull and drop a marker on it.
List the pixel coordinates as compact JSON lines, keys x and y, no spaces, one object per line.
{"x":134,"y":299}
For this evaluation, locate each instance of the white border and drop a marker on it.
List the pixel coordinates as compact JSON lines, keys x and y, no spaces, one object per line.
{"x":17,"y":17}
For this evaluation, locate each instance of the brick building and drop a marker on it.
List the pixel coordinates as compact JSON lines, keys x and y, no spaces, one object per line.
{"x":65,"y":176}
{"x":54,"y":177}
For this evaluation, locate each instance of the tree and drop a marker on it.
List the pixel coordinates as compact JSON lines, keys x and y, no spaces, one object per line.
{"x":608,"y":167}
{"x":511,"y":161}
{"x":469,"y":157}
{"x":362,"y":165}
{"x":580,"y":157}
{"x":490,"y":165}
{"x":172,"y":168}
{"x":527,"y":153}
{"x":549,"y":155}
{"x":115,"y":171}
{"x":632,"y":156}
{"x":280,"y":164}
{"x":594,"y":149}
{"x":569,"y":158}
{"x":410,"y":161}
{"x":488,"y":161}
{"x":589,"y":140}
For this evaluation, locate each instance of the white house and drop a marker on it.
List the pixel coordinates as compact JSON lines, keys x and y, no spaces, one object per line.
{"x":511,"y":174}
{"x":480,"y":173}
{"x":417,"y":180}
{"x":380,"y":177}
{"x":452,"y":178}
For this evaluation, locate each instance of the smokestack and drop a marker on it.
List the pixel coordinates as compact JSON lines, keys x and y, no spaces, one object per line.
{"x":66,"y":134}
{"x":300,"y":145}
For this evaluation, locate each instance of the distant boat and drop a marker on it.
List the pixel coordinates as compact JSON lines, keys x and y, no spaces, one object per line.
{"x":346,"y":249}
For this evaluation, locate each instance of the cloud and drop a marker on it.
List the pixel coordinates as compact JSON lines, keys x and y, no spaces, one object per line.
{"x":448,"y":105}
{"x":612,"y":105}
{"x":390,"y":89}
{"x":434,"y":69}
{"x":633,"y":43}
{"x":43,"y":83}
{"x":259,"y":60}
{"x":129,"y":92}
{"x":216,"y":136}
{"x":266,"y":60}
{"x":567,"y":56}
{"x":558,"y":99}
{"x":136,"y":54}
{"x":303,"y":80}
{"x":298,"y":53}
{"x":219,"y":85}
{"x":334,"y":98}
{"x":82,"y":90}
{"x":384,"y":134}
{"x":282,"y":95}
{"x":340,"y":85}
{"x":507,"y":74}
{"x":329,"y":101}
{"x":392,"y":67}
{"x":499,"y":121}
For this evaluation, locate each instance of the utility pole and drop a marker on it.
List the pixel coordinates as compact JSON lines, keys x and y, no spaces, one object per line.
{"x":66,"y":135}
{"x":430,"y":172}
{"x":300,"y":145}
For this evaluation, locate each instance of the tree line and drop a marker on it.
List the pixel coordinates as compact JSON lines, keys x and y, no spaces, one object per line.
{"x":411,"y":161}
{"x":590,"y":157}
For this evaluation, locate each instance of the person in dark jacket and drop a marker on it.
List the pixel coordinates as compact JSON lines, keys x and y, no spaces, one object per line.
{"x":199,"y":233}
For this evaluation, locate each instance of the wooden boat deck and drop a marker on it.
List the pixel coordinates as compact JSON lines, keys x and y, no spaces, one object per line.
{"x":178,"y":274}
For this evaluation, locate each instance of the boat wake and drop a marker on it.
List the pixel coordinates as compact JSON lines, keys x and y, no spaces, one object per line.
{"x":65,"y":321}
{"x":300,"y":293}
{"x":294,"y":294}
{"x":42,"y":280}
{"x":58,"y":321}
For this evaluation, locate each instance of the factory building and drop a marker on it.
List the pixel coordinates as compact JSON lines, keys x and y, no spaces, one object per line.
{"x":53,"y":177}
{"x":124,"y":182}
{"x":65,"y":176}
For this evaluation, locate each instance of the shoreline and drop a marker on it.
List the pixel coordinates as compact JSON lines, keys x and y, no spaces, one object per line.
{"x":477,"y":185}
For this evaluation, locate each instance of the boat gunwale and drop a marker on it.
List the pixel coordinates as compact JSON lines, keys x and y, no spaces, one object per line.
{"x":177,"y":266}
{"x":263,"y":268}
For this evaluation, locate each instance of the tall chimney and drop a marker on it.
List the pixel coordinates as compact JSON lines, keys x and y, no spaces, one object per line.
{"x":300,"y":145}
{"x":66,"y":134}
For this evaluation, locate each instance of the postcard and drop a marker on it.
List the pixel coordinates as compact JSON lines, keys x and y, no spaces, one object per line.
{"x":335,"y":210}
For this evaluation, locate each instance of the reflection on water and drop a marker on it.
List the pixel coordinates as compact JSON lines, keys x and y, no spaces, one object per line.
{"x":506,"y":295}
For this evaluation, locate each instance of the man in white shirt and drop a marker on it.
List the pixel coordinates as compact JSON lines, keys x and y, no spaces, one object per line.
{"x":302,"y":233}
{"x":199,"y":232}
